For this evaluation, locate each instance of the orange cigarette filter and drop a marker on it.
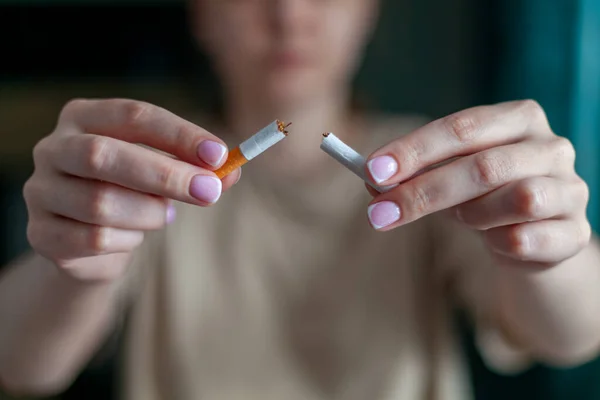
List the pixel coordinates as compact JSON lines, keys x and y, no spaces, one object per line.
{"x":350,"y":159}
{"x":235,"y":160}
{"x":267,"y":137}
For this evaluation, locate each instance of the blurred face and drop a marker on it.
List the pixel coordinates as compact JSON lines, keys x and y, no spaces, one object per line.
{"x":284,"y":50}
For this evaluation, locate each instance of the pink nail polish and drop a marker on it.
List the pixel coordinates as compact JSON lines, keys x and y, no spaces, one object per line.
{"x":382,"y":168}
{"x":171,"y":214}
{"x":383,"y":214}
{"x":206,"y":188}
{"x":211,"y":152}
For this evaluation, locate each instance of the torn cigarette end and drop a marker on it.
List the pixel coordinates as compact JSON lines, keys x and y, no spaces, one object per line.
{"x":255,"y":145}
{"x":282,"y":126}
{"x":350,"y":159}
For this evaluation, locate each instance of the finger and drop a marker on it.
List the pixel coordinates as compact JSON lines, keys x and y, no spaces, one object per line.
{"x":139,"y":122}
{"x":466,"y":132}
{"x":371,"y":190}
{"x":114,"y":161}
{"x":60,"y":238}
{"x":529,"y":200}
{"x":466,"y":179}
{"x":232,"y":178}
{"x":98,"y":203}
{"x":549,"y":241}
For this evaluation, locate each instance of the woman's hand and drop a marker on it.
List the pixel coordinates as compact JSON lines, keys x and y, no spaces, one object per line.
{"x":95,"y":191}
{"x":503,"y":171}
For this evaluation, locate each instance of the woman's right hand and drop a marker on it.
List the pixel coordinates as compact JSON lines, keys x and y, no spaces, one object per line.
{"x":95,"y":191}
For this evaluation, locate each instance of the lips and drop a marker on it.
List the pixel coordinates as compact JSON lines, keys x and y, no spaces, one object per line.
{"x":289,"y":59}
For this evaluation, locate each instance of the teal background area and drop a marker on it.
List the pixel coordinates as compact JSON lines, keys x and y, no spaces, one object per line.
{"x":551,"y":53}
{"x":553,"y":56}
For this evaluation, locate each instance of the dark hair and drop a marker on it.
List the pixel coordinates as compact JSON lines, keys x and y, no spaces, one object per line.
{"x":202,"y":80}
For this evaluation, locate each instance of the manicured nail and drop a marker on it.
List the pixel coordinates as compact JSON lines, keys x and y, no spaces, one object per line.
{"x":206,"y":188}
{"x":382,"y":168}
{"x":211,"y":152}
{"x":171,"y":214}
{"x":383,"y":214}
{"x":239,"y":176}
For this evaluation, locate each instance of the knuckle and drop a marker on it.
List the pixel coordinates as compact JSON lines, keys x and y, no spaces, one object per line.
{"x":185,"y":134}
{"x":532,"y":108}
{"x":135,"y":111}
{"x":419,"y":200}
{"x":464,"y":126}
{"x":99,"y":239}
{"x":564,"y":150}
{"x":167,"y":178}
{"x":518,"y":242}
{"x":32,"y":189}
{"x":28,"y":189}
{"x":72,"y":106}
{"x":584,"y":190}
{"x":98,"y":154}
{"x":34,"y":234}
{"x":410,"y":154}
{"x":531,"y":200}
{"x":40,"y":151}
{"x":100,"y":205}
{"x":490,"y":169}
{"x":585,"y":234}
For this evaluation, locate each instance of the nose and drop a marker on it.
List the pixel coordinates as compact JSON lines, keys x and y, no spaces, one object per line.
{"x":289,"y":17}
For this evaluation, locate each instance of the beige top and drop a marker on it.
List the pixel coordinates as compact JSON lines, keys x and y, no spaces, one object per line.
{"x":284,"y":291}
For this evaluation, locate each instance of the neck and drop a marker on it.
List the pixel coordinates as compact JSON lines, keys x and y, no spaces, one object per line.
{"x":299,"y":154}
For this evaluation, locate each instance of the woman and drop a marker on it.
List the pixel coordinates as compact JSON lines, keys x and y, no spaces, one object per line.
{"x":281,"y":290}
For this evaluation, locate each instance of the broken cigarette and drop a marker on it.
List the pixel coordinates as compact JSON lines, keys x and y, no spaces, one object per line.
{"x":349,"y":158}
{"x":258,"y":143}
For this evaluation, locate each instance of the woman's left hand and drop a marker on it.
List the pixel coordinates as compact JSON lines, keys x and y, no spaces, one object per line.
{"x":508,"y":175}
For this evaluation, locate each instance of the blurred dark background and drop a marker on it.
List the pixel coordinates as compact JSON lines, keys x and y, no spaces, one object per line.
{"x":429,"y":56}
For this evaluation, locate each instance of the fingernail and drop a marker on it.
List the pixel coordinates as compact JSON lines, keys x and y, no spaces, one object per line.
{"x":171,"y":214}
{"x":382,"y":168}
{"x":239,"y":176}
{"x":383,"y":214}
{"x":211,"y":152}
{"x":206,"y":188}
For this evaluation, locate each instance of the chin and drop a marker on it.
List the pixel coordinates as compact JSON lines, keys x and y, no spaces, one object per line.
{"x":291,"y":90}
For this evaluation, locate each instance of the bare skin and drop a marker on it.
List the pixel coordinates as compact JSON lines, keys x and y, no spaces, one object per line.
{"x":294,"y":60}
{"x":90,"y":200}
{"x":513,"y":180}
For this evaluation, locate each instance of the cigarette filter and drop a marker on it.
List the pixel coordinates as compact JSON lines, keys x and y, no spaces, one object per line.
{"x":267,"y":137}
{"x":350,"y":159}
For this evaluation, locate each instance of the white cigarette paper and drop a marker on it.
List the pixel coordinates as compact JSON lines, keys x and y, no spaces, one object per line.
{"x":350,"y":159}
{"x":267,"y":137}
